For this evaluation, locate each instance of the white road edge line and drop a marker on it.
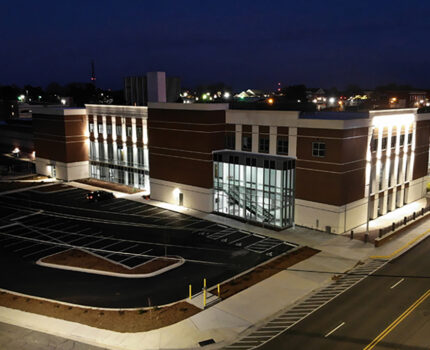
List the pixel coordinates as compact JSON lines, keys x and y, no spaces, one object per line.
{"x":334,"y":330}
{"x":396,"y":284}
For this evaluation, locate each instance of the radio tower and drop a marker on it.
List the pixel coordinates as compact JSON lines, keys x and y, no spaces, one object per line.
{"x":93,"y":73}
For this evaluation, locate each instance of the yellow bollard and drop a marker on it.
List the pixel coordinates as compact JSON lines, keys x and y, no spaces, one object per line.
{"x":190,"y":292}
{"x":204,"y":282}
{"x":204,"y":298}
{"x":218,"y":290}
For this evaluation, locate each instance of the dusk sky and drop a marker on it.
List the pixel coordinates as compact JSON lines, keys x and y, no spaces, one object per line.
{"x":246,"y":44}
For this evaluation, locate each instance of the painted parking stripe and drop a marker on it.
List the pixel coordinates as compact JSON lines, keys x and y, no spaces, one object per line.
{"x":134,"y":256}
{"x":27,"y":247}
{"x":26,"y":216}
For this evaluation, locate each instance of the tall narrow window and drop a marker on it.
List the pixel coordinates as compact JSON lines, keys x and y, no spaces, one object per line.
{"x":118,"y":131}
{"x":246,"y":142}
{"x":230,"y":140}
{"x":263,"y":143}
{"x":282,"y":145}
{"x":129,"y":132}
{"x":91,"y":127}
{"x":139,"y":132}
{"x":109,"y":129}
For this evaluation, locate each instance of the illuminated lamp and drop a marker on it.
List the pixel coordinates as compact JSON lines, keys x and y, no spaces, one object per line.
{"x":270,"y":101}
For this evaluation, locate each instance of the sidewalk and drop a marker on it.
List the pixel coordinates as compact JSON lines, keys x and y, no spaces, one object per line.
{"x":250,"y":308}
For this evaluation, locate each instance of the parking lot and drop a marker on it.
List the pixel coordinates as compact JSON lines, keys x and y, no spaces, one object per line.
{"x":37,"y":224}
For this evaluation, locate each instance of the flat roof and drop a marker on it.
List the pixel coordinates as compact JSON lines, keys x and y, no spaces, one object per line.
{"x":322,"y":115}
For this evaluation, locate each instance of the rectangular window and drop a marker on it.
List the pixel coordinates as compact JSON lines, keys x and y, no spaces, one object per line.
{"x":100,"y":128}
{"x":109,"y":129}
{"x":230,"y":140}
{"x":110,"y":151}
{"x":101,"y":151}
{"x":393,"y":141}
{"x":374,"y":145}
{"x":247,"y":142}
{"x":410,"y":139}
{"x":91,"y":127}
{"x":318,"y":149}
{"x":140,"y":157}
{"x":402,"y":140}
{"x":282,"y":146}
{"x":263,"y":144}
{"x":118,"y":131}
{"x":139,"y":132}
{"x":130,"y":155}
{"x":129,"y":133}
{"x":384,"y":144}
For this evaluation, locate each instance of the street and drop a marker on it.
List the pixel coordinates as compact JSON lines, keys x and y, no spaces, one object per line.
{"x":388,"y":310}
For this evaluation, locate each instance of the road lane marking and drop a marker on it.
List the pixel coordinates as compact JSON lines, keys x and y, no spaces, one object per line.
{"x":401,"y":248}
{"x":396,"y":284}
{"x":334,"y":330}
{"x":397,"y":321}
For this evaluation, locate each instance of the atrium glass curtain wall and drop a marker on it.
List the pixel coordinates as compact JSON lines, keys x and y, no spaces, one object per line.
{"x":128,"y":165}
{"x":255,"y":187}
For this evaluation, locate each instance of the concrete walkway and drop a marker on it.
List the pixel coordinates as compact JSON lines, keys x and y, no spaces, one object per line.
{"x":229,"y":319}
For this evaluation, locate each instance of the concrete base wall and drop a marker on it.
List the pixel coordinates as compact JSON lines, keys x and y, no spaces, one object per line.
{"x":344,"y":218}
{"x":193,"y":197}
{"x":336,"y":219}
{"x":64,"y":171}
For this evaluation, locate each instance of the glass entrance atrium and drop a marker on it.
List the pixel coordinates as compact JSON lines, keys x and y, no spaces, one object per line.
{"x":255,"y":187}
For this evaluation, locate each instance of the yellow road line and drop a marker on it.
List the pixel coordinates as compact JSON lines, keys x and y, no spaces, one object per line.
{"x":397,"y":321}
{"x":401,"y":248}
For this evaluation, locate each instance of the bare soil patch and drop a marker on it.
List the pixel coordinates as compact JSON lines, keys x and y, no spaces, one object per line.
{"x":83,"y":259}
{"x":264,"y":271}
{"x":140,"y":320}
{"x":54,"y":188}
{"x":34,"y":177}
{"x":8,"y":186}
{"x":109,"y":185}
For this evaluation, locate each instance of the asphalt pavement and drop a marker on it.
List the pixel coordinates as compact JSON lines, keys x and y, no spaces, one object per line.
{"x":384,"y":311}
{"x":36,"y":224}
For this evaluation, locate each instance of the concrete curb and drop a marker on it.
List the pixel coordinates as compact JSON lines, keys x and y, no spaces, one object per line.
{"x":112,"y":274}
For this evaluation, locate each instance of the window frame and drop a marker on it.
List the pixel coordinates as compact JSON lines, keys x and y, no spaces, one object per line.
{"x":317,"y":150}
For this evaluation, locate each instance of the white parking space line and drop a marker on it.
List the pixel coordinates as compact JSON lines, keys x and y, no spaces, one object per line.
{"x":26,"y":247}
{"x":13,"y":243}
{"x":123,"y":250}
{"x":92,"y":242}
{"x":109,"y":245}
{"x":9,"y":225}
{"x":39,"y":251}
{"x":334,"y":330}
{"x":135,"y":256}
{"x":27,"y":216}
{"x":396,"y":284}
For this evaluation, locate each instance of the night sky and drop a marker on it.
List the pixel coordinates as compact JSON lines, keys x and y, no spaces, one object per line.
{"x":246,"y":44}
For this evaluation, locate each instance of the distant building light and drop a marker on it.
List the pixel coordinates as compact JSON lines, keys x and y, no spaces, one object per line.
{"x":331,"y":100}
{"x":226,"y":94}
{"x":185,"y":94}
{"x":314,"y":100}
{"x":270,"y":101}
{"x":63,"y":101}
{"x":299,"y":101}
{"x":15,"y":151}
